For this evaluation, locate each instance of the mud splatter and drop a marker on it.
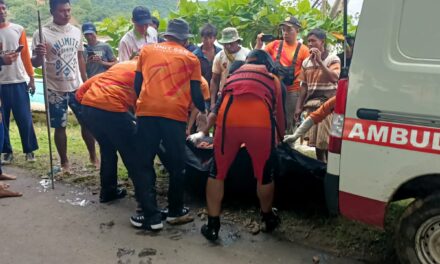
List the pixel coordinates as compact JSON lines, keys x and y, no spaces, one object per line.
{"x":124,"y":252}
{"x":147,"y":252}
{"x":106,"y":226}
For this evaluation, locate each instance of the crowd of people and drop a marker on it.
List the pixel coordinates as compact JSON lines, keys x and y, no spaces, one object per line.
{"x":160,"y":92}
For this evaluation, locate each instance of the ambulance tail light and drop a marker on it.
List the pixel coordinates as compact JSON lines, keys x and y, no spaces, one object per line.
{"x":338,"y":118}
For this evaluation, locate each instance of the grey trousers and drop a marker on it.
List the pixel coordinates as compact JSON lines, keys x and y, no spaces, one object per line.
{"x":291,"y":99}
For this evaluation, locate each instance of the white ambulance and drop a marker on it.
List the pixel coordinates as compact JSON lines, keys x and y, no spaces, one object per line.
{"x":385,"y":139}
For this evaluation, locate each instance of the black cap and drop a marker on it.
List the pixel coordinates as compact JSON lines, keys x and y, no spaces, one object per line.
{"x":88,"y":28}
{"x":141,"y":15}
{"x":178,"y":28}
{"x":291,"y":21}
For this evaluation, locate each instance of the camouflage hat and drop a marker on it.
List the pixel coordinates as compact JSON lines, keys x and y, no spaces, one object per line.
{"x":229,"y":35}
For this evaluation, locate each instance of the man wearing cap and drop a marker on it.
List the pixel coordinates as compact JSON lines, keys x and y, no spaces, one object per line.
{"x":232,"y":51}
{"x":167,"y":80}
{"x":141,"y":35}
{"x":288,"y":55}
{"x":99,"y":55}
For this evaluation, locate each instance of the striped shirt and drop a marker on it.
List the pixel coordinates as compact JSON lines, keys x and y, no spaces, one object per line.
{"x":318,"y":85}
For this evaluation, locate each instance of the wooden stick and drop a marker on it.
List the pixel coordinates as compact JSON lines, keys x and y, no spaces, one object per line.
{"x":46,"y":103}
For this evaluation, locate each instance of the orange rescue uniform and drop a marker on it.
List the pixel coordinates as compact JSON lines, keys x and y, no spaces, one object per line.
{"x":167,"y":69}
{"x":112,"y":90}
{"x":287,"y":56}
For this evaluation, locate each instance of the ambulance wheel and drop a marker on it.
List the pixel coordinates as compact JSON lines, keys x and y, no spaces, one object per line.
{"x":418,"y":232}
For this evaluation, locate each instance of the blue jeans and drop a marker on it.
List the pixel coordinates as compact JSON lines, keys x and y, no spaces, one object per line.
{"x":15,"y":98}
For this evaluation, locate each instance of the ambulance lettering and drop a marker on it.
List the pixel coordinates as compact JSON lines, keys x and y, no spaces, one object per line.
{"x":377,"y":135}
{"x":399,"y":136}
{"x":414,"y":138}
{"x":436,"y":143}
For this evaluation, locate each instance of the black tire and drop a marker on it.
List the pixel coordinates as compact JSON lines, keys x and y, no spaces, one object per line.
{"x":418,"y":232}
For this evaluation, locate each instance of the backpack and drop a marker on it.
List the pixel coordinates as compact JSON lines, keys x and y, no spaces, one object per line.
{"x":287,"y":74}
{"x":251,"y":80}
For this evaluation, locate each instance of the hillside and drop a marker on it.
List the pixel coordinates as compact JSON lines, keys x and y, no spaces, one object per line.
{"x":24,"y":12}
{"x":105,"y":8}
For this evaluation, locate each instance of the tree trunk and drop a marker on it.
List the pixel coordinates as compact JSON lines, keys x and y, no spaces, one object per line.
{"x":324,"y":7}
{"x":337,"y":8}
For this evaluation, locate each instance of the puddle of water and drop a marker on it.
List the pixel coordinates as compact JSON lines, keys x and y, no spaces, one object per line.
{"x":76,"y":199}
{"x":45,"y":185}
{"x":75,"y":202}
{"x":79,"y":193}
{"x":229,"y":234}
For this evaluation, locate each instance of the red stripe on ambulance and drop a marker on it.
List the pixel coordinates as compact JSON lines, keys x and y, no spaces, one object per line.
{"x":414,"y":138}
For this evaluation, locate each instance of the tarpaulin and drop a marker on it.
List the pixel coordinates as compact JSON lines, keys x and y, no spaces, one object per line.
{"x":298,"y":178}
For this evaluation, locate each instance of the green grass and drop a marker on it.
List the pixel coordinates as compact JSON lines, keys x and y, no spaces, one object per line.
{"x":82,"y":171}
{"x":335,"y":234}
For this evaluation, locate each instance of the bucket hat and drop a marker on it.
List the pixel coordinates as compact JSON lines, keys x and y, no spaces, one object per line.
{"x":178,"y":28}
{"x":229,"y":35}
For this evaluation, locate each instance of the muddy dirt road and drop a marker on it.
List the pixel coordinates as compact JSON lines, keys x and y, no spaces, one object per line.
{"x":68,"y":225}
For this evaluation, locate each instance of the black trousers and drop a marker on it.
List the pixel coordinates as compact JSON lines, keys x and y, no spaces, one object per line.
{"x":114,"y":132}
{"x":153,"y":131}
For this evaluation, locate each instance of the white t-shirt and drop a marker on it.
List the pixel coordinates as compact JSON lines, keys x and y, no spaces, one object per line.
{"x":9,"y":41}
{"x":62,"y":45}
{"x":221,"y":64}
{"x":130,"y":43}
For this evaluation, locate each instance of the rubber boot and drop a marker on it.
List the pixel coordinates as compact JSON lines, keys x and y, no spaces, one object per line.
{"x":270,"y":220}
{"x":210,"y":231}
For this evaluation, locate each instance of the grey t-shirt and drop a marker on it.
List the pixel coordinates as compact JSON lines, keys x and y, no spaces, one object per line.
{"x":104,"y":51}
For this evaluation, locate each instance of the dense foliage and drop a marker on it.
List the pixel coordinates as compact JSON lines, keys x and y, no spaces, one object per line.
{"x":251,"y":17}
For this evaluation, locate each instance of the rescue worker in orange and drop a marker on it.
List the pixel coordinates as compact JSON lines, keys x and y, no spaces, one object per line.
{"x":108,"y":101}
{"x":314,"y":118}
{"x":250,"y":89}
{"x":167,"y":80}
{"x":288,"y":55}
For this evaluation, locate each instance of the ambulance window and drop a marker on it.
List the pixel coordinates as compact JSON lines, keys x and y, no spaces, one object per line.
{"x":418,"y":35}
